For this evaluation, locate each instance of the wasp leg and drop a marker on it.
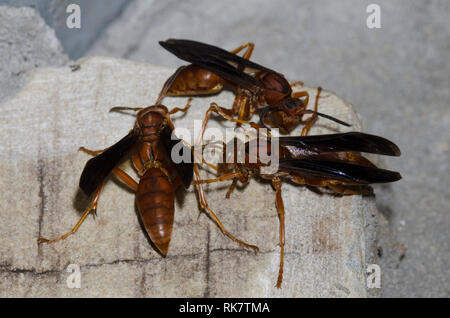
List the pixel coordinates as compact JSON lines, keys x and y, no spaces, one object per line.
{"x":276,"y":182}
{"x":220,"y":110}
{"x":122,"y":175}
{"x":241,"y":104}
{"x":302,"y":94}
{"x":92,"y":152}
{"x":125,"y":178}
{"x":184,"y":109}
{"x":231,"y":188}
{"x":225,"y":113}
{"x":297,"y":83}
{"x":92,"y":207}
{"x":204,"y":205}
{"x":221,"y":178}
{"x":310,"y":121}
{"x":228,"y":176}
{"x":248,"y":53}
{"x":199,"y":156}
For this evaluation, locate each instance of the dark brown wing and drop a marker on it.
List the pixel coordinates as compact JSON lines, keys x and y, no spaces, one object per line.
{"x":184,"y":169}
{"x":221,"y":62}
{"x":351,"y":141}
{"x":340,"y":170}
{"x":98,"y":168}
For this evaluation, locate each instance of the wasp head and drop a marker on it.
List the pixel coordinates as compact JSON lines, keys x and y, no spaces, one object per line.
{"x":151,"y":121}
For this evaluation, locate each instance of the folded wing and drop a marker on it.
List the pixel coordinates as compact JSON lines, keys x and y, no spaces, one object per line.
{"x":98,"y":168}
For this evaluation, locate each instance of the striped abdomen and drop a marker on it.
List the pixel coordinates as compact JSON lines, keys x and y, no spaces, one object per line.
{"x":194,"y":80}
{"x":155,"y":200}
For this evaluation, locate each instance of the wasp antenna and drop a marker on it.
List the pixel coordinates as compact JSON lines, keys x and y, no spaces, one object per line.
{"x":307,"y":111}
{"x":122,"y":108}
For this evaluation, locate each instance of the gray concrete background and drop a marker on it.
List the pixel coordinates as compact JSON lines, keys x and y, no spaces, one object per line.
{"x":26,"y":42}
{"x":397,"y":77}
{"x":95,"y":16}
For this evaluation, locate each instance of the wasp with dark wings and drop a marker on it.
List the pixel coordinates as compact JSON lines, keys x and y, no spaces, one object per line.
{"x":150,"y":144}
{"x":332,"y":161}
{"x":256,"y":87}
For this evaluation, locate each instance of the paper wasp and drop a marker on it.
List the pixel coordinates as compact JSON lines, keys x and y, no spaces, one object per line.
{"x":333,"y":161}
{"x":150,"y":145}
{"x":256,"y":87}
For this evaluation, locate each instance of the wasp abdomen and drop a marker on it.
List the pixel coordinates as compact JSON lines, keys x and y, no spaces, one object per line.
{"x":194,"y":80}
{"x":155,"y":200}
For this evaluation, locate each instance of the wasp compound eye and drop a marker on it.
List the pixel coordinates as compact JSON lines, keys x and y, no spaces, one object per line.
{"x":290,"y":104}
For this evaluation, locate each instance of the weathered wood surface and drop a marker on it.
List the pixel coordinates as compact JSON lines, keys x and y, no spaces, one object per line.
{"x":329,"y":240}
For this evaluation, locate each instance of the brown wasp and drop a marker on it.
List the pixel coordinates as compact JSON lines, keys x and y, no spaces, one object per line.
{"x":256,"y":87}
{"x":150,"y":144}
{"x":332,"y":161}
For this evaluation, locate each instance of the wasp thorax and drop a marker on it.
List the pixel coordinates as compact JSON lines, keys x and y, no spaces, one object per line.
{"x":276,"y":87}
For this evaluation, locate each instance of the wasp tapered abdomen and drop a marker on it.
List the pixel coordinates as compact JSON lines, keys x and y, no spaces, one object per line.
{"x":155,"y":200}
{"x":194,"y":80}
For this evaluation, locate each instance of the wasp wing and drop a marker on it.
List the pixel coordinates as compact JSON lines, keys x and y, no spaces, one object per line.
{"x":351,"y":141}
{"x":340,"y":170}
{"x":184,"y":168}
{"x":223,"y":63}
{"x":98,"y":168}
